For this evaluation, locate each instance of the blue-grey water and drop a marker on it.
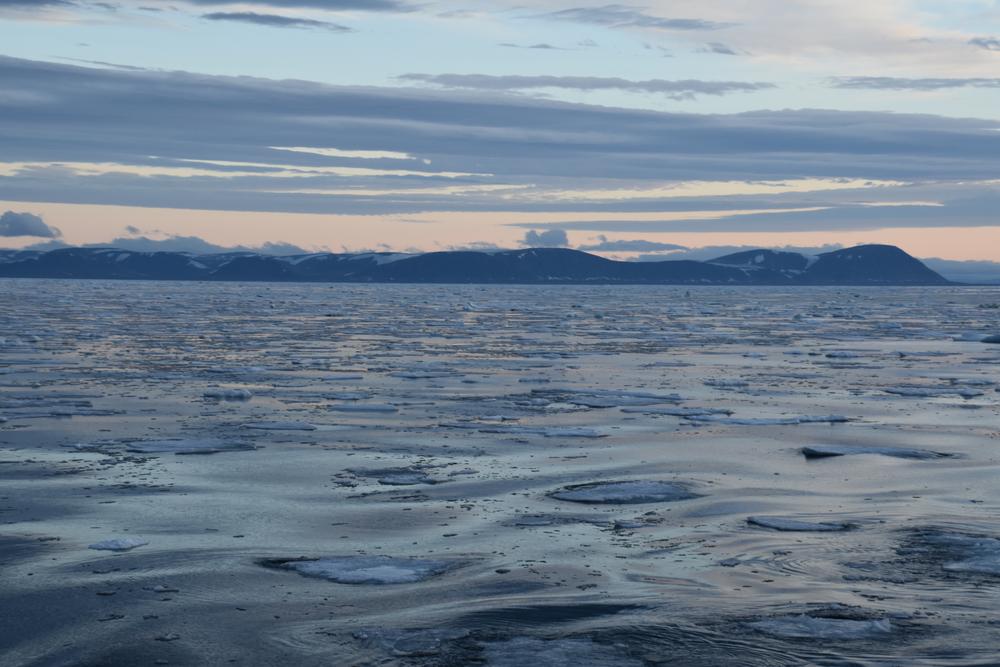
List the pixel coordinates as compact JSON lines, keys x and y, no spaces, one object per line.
{"x":258,"y":474}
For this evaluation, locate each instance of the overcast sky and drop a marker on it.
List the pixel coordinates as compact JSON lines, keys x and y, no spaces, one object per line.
{"x":367,"y":124}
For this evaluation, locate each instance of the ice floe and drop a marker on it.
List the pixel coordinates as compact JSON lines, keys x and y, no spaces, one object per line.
{"x":524,"y":651}
{"x":280,"y":426}
{"x":228,"y":394}
{"x":625,"y":493}
{"x":828,"y":451}
{"x":960,"y":552}
{"x":767,"y":421}
{"x":374,"y":570}
{"x":363,"y":407}
{"x":118,"y":544}
{"x":797,"y":525}
{"x":187,"y":446}
{"x":805,"y":626}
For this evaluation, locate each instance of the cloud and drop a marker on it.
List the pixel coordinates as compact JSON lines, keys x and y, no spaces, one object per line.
{"x":26,"y":224}
{"x":183,"y":140}
{"x":678,"y":90}
{"x":625,"y":16}
{"x":719,"y":48}
{"x":629,"y":245}
{"x":136,"y":242}
{"x":330,"y":5}
{"x":897,"y":83}
{"x":551,"y":238}
{"x":988,"y":43}
{"x":972,"y":271}
{"x":706,"y":253}
{"x":275,"y":21}
{"x":541,"y":46}
{"x":34,"y":3}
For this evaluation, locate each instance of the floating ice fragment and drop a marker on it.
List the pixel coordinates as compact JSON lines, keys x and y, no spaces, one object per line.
{"x":395,"y":476}
{"x":625,"y":493}
{"x":796,"y":525}
{"x":118,"y":544}
{"x":678,"y":412}
{"x":803,"y":626}
{"x":933,"y":392}
{"x":374,"y":570}
{"x":544,"y":431}
{"x":281,"y":426}
{"x":727,"y":384}
{"x":364,"y":407}
{"x":994,"y":339}
{"x":972,"y":554}
{"x":521,"y":651}
{"x":768,"y":421}
{"x":228,"y":394}
{"x":826,"y":451}
{"x":187,"y":446}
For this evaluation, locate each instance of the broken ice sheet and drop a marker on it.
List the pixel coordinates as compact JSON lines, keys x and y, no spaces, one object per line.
{"x":118,"y":544}
{"x":524,"y":651}
{"x":625,"y":492}
{"x":805,"y":626}
{"x":228,"y":394}
{"x":797,"y":525}
{"x":372,"y":570}
{"x":280,"y":426}
{"x":829,"y":451}
{"x":188,"y":446}
{"x":955,"y":551}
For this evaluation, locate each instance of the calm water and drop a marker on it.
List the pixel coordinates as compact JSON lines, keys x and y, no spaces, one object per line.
{"x":376,"y":475}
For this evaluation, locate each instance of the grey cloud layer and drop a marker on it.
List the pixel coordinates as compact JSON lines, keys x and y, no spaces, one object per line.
{"x":629,"y":245}
{"x":897,"y":83}
{"x":66,"y":113}
{"x":625,"y":16}
{"x":680,"y":90}
{"x":331,"y":5}
{"x":26,"y":224}
{"x":988,"y":43}
{"x":275,"y":21}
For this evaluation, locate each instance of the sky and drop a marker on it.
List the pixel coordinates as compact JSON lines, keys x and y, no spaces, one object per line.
{"x":634,"y":130}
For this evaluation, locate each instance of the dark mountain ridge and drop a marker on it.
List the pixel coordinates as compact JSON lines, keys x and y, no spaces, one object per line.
{"x":861,"y":265}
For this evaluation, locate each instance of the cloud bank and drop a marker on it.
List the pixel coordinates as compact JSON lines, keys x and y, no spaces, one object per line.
{"x":26,"y":224}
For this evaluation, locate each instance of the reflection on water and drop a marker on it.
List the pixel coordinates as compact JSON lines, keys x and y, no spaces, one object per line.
{"x":497,"y":475}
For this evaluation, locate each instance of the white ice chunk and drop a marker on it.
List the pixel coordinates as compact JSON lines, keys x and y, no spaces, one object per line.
{"x":377,"y":570}
{"x":797,"y":525}
{"x":281,"y":426}
{"x":228,"y":394}
{"x":118,"y":544}
{"x":187,"y":446}
{"x":802,"y":626}
{"x":825,"y":451}
{"x":625,"y":493}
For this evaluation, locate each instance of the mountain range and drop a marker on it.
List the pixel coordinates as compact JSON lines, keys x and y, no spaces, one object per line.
{"x":860,"y":265}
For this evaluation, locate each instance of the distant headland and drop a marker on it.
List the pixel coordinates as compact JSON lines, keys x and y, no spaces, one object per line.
{"x":860,"y":265}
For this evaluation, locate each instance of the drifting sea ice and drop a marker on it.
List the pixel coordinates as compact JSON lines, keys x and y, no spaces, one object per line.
{"x":281,"y":426}
{"x":804,"y":626}
{"x":965,"y":553}
{"x":828,"y":451}
{"x":187,"y":446}
{"x":363,"y":407}
{"x":374,"y":570}
{"x":118,"y":544}
{"x":624,"y":493}
{"x":796,"y":525}
{"x":523,"y":651}
{"x":767,"y":421}
{"x":228,"y":394}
